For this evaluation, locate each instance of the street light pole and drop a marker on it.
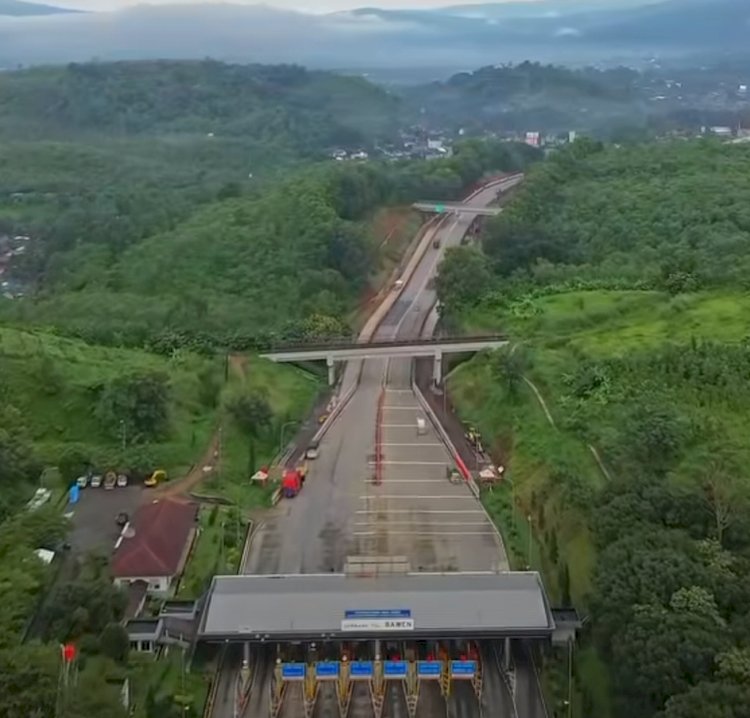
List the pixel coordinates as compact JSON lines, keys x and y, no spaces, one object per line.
{"x":528,"y":518}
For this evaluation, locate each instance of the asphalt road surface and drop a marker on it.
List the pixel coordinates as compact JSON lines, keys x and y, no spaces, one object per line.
{"x":415,"y":512}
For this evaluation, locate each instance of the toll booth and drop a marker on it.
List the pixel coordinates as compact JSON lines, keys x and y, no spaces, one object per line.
{"x":331,"y":644}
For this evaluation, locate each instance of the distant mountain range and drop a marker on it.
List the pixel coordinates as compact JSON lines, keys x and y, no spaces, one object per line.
{"x":454,"y":38}
{"x":15,"y":8}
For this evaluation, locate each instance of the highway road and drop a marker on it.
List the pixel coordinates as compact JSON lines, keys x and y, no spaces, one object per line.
{"x":415,"y":512}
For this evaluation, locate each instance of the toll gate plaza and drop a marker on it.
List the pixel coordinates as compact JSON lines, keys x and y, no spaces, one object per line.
{"x":345,"y":634}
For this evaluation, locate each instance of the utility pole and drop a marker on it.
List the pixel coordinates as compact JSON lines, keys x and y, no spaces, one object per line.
{"x":123,"y":433}
{"x":528,"y":518}
{"x":570,"y":678}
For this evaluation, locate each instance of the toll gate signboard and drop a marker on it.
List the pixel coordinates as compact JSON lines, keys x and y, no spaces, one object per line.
{"x":293,"y":671}
{"x":428,"y":669}
{"x":394,"y":669}
{"x":327,"y":670}
{"x":463,"y":669}
{"x":389,"y":619}
{"x":360,"y":670}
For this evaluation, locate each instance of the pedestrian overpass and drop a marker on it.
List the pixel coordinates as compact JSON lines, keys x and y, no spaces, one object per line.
{"x":350,"y":351}
{"x":455,"y":208}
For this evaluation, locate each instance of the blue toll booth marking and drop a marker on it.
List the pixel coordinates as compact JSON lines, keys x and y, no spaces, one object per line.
{"x":327,"y":670}
{"x":293,"y":671}
{"x":361,"y":670}
{"x":379,"y":613}
{"x":394,"y":669}
{"x":463,"y":669}
{"x":428,"y":669}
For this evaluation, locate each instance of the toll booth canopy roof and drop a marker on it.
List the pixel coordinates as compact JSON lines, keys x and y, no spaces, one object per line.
{"x":333,"y":605}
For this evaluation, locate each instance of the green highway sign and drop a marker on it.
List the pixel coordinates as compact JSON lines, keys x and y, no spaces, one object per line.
{"x":440,"y":208}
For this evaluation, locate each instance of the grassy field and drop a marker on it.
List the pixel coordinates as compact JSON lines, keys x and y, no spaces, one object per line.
{"x":554,"y":476}
{"x":52,"y":382}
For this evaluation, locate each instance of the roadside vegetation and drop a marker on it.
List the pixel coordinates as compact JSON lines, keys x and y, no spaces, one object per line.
{"x":619,"y":276}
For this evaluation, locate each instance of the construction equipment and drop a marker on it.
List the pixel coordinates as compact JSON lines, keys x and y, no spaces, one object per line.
{"x":156,"y":478}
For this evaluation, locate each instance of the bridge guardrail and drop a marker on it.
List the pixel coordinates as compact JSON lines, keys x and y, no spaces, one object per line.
{"x":390,"y":344}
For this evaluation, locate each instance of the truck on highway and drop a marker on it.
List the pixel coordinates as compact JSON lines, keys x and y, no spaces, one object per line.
{"x":291,"y":483}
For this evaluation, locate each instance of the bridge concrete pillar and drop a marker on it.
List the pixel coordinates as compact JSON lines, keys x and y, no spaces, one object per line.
{"x":507,"y":653}
{"x":437,"y":368}
{"x":331,"y":370}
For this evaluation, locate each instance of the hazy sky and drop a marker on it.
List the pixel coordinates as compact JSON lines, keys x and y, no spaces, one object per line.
{"x":310,"y":6}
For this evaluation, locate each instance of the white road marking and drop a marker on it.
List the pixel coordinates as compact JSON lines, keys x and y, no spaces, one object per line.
{"x":410,"y":523}
{"x":421,"y":511}
{"x":396,"y":407}
{"x":399,"y":391}
{"x":431,"y":534}
{"x":466,"y":497}
{"x":435,"y":443}
{"x":399,"y":426}
{"x":410,"y":481}
{"x":414,"y":463}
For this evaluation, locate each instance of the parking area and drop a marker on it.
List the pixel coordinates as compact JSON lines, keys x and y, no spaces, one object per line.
{"x":94,"y":517}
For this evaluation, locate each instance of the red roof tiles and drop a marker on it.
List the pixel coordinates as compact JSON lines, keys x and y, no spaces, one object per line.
{"x":162,"y":530}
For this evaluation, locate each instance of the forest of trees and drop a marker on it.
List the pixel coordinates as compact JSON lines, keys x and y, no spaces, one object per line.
{"x":245,"y":269}
{"x":622,"y":271}
{"x":277,"y":104}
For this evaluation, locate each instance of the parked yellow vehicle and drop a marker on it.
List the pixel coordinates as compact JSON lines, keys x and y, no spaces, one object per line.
{"x":156,"y":478}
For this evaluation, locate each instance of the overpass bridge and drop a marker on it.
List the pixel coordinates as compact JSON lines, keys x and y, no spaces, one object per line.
{"x":407,"y":349}
{"x":456,"y":208}
{"x":325,"y":642}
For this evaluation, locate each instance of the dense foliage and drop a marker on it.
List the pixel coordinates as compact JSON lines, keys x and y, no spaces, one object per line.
{"x":623,"y":271}
{"x":527,"y":95}
{"x":247,"y":268}
{"x":674,"y":216}
{"x":279,"y":104}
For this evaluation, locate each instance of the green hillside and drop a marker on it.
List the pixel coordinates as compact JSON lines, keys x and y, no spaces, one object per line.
{"x":58,"y":396}
{"x":620,"y":277}
{"x":279,"y":104}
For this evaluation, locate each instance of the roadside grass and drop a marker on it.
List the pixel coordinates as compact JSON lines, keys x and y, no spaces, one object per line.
{"x":217,"y":549}
{"x":520,"y":438}
{"x":613,"y":322}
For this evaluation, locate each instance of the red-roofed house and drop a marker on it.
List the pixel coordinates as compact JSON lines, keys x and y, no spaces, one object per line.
{"x":155,"y":544}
